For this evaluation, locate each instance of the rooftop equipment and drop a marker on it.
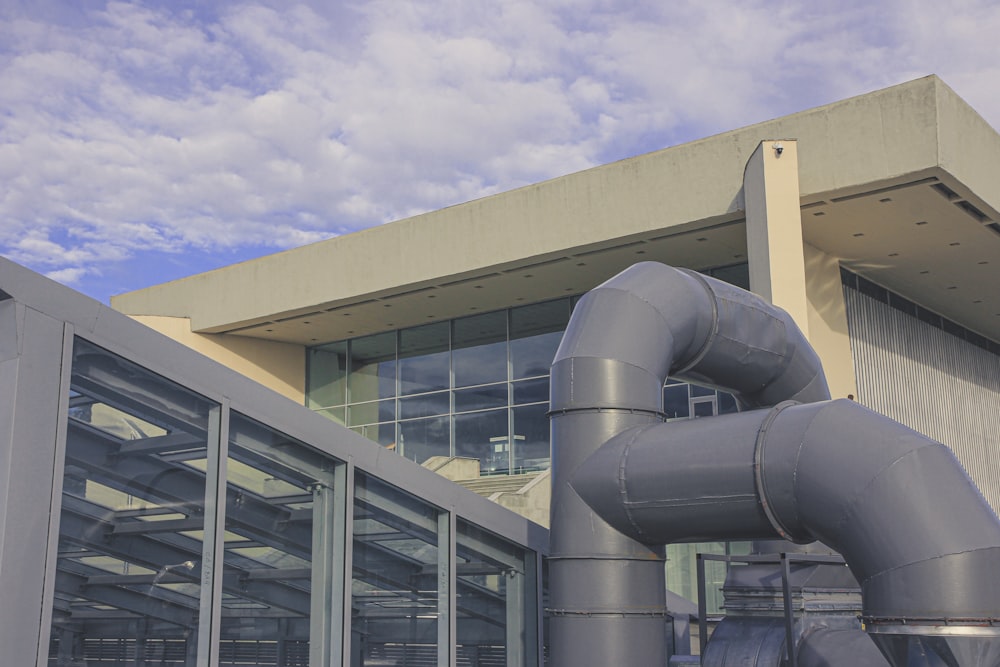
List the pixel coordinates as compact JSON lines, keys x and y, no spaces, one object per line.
{"x":911,"y":526}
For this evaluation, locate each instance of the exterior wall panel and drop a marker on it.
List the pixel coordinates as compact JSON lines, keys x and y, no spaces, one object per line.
{"x":930,"y":380}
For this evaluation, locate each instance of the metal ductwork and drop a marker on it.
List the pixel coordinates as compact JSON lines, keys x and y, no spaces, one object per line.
{"x":911,"y":526}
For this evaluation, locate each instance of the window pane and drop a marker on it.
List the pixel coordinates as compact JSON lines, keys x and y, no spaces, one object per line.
{"x":383,"y":434}
{"x":396,"y":568}
{"x":373,"y":367}
{"x":338,"y":415}
{"x":531,"y":391}
{"x":136,"y":451}
{"x":535,"y":332}
{"x":479,"y":354}
{"x":424,"y":359}
{"x":425,"y":405}
{"x":531,"y":437}
{"x":495,"y":599}
{"x":727,"y":403}
{"x":372,"y":412}
{"x":276,"y":488}
{"x":421,"y":439}
{"x":675,"y":401}
{"x":327,"y":375}
{"x":481,"y":398}
{"x":483,"y":436}
{"x":703,"y":408}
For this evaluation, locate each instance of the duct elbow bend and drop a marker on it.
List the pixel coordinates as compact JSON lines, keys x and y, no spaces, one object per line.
{"x":912,"y":526}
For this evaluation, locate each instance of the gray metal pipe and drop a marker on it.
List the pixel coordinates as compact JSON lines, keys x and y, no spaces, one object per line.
{"x":624,"y":339}
{"x":914,"y":530}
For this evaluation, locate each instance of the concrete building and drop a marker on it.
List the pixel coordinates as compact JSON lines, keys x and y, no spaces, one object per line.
{"x":195,"y":517}
{"x":873,"y":221}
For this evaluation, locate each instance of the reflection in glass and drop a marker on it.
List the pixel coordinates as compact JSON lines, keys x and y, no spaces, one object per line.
{"x":535,"y":390}
{"x":276,"y":486}
{"x":531,"y":437}
{"x":483,"y":435}
{"x":394,"y":601}
{"x":424,"y":362}
{"x":372,"y":412}
{"x":424,"y":405}
{"x":132,"y":516}
{"x":535,"y":332}
{"x":496,"y":621}
{"x":481,"y":398}
{"x":326,"y":370}
{"x":479,"y":354}
{"x":420,"y":439}
{"x":373,"y":367}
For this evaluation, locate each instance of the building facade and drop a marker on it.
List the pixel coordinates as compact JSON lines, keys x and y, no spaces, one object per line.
{"x":443,"y":351}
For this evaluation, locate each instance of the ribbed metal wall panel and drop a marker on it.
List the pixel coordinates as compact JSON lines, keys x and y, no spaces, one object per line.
{"x":930,"y":380}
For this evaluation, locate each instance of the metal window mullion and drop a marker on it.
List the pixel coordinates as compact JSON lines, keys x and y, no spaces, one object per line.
{"x":55,"y":502}
{"x":343,"y":574}
{"x":447,"y":604}
{"x":325,"y":622}
{"x":213,"y":542}
{"x":535,"y":636}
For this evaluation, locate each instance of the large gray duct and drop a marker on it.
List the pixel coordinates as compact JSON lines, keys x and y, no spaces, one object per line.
{"x":898,"y":506}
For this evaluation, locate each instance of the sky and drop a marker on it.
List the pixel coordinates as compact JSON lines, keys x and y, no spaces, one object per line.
{"x":142,"y":142}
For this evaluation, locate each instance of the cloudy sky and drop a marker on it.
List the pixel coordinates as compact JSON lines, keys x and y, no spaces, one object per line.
{"x":142,"y":142}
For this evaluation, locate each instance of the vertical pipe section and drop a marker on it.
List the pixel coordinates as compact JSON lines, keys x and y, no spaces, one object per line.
{"x":625,"y":337}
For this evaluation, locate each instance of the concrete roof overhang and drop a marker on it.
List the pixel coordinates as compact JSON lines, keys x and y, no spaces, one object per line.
{"x":901,"y":185}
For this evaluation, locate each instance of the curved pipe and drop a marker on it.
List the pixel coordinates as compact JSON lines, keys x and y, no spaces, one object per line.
{"x":625,"y":337}
{"x":915,"y":531}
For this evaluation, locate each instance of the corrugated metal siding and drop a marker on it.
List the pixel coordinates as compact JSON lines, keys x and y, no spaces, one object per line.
{"x":931,"y":381}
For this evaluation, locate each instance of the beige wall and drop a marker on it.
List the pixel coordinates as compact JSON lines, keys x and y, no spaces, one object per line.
{"x":828,"y":321}
{"x":279,"y":366}
{"x":774,"y":228}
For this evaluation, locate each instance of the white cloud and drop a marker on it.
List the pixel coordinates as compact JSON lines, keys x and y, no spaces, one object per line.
{"x":130,"y":128}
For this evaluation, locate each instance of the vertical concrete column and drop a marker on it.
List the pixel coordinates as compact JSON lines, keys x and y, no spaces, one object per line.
{"x":774,"y":228}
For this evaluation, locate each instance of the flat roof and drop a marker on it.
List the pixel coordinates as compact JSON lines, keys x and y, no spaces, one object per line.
{"x":901,"y":184}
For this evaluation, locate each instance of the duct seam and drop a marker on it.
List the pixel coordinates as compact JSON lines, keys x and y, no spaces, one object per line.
{"x":852,"y":503}
{"x":699,"y":355}
{"x":758,"y":471}
{"x":623,"y":486}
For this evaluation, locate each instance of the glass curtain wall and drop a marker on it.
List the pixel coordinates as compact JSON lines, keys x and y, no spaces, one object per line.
{"x":132,"y":518}
{"x":191,"y":533}
{"x":476,"y":386}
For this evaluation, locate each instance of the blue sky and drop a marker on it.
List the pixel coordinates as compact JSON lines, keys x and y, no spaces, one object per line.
{"x":143,"y":142}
